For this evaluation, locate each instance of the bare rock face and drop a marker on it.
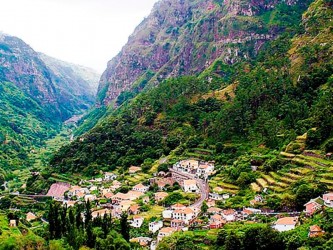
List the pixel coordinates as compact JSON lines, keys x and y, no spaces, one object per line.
{"x":21,"y":65}
{"x":182,"y":37}
{"x":62,"y":89}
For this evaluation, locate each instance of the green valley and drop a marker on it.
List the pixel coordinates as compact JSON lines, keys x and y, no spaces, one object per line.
{"x":212,"y":129}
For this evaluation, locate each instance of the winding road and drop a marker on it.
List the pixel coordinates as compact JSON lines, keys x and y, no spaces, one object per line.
{"x":203,"y":186}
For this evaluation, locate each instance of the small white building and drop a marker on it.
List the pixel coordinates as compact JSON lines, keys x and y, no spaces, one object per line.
{"x":109,"y":176}
{"x":229,"y":215}
{"x":185,"y":215}
{"x":167,"y":214}
{"x":165,"y":232}
{"x":90,"y":197}
{"x":215,"y":196}
{"x":155,"y":226}
{"x":140,"y":188}
{"x":328,"y":199}
{"x":137,"y":221}
{"x":190,"y":186}
{"x":285,"y":224}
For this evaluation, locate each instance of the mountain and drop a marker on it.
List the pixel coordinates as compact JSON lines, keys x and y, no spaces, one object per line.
{"x":186,"y":37}
{"x":37,"y":94}
{"x":76,"y":83}
{"x":226,"y":109}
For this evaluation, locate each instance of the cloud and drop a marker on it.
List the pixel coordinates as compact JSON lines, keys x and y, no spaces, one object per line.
{"x":87,"y":32}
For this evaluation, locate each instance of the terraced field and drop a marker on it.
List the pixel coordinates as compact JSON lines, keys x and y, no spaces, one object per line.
{"x":311,"y":168}
{"x":220,"y":182}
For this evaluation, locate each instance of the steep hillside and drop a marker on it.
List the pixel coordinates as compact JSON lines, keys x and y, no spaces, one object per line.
{"x":185,"y":37}
{"x":258,"y":108}
{"x":37,"y":94}
{"x":76,"y":83}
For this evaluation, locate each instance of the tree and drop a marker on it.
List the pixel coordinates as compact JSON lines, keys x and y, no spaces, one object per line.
{"x":233,"y":242}
{"x":124,"y":226}
{"x":204,"y":207}
{"x":87,"y":214}
{"x":5,"y":203}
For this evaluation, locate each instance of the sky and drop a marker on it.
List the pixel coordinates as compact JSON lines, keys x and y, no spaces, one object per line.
{"x":85,"y":32}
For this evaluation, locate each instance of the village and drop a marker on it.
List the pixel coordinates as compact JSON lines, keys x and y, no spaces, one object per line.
{"x":155,"y":214}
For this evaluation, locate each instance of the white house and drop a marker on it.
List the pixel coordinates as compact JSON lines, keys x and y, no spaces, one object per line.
{"x":285,"y":224}
{"x":109,"y":176}
{"x":167,"y":214}
{"x":229,"y":215}
{"x":215,"y":196}
{"x":155,"y":226}
{"x":188,"y":166}
{"x":140,"y":188}
{"x":164,"y":232}
{"x":185,"y":215}
{"x":90,"y":197}
{"x":137,"y":221}
{"x":328,"y":199}
{"x":190,"y":186}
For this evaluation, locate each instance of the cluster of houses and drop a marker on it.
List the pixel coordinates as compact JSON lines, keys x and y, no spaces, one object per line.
{"x":198,"y":168}
{"x":318,"y":203}
{"x":177,"y":217}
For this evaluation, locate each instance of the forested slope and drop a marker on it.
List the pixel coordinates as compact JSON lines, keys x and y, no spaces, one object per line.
{"x":284,"y":92}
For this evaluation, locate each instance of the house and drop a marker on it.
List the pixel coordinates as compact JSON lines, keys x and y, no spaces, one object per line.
{"x":160,"y":196}
{"x":205,"y":169}
{"x":100,"y":213}
{"x":90,"y":197}
{"x":215,"y":196}
{"x":146,"y":199}
{"x":134,"y":209}
{"x":162,"y":183}
{"x":142,"y":241}
{"x":229,"y":215}
{"x":190,"y":186}
{"x":140,"y":188}
{"x":134,"y":169}
{"x":165,"y":232}
{"x":115,"y":185}
{"x":155,"y":226}
{"x":217,"y":224}
{"x":118,"y":197}
{"x":313,"y":205}
{"x":216,"y":217}
{"x":178,"y":206}
{"x":93,"y":188}
{"x":125,"y":205}
{"x":185,"y":215}
{"x":137,"y":221}
{"x":108,"y":195}
{"x":134,"y":195}
{"x":175,"y":223}
{"x":30,"y":217}
{"x":211,"y":203}
{"x":214,"y":210}
{"x":249,"y":211}
{"x":12,"y":223}
{"x":315,"y":231}
{"x":257,"y":199}
{"x":188,"y":166}
{"x":109,"y":176}
{"x":328,"y":199}
{"x":69,"y":203}
{"x":285,"y":224}
{"x":57,"y":190}
{"x":225,"y":196}
{"x":167,"y":214}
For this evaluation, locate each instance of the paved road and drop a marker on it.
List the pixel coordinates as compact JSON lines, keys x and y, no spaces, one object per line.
{"x":203,"y":186}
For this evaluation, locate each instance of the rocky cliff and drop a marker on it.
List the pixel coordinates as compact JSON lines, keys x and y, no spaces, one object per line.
{"x":62,"y":89}
{"x":184,"y":37}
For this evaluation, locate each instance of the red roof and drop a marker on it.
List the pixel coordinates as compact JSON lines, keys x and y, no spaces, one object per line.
{"x":58,"y":189}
